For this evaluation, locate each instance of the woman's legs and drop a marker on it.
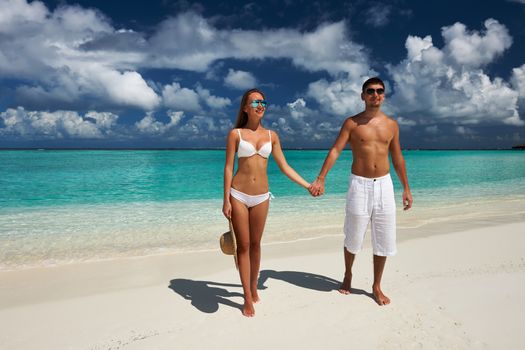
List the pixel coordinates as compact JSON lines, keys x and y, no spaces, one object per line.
{"x":248,"y":224}
{"x":241,"y":225}
{"x":257,"y":216}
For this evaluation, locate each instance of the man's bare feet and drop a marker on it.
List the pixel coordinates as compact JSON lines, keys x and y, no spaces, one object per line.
{"x":248,"y":310}
{"x":381,"y":298}
{"x":345,"y":286}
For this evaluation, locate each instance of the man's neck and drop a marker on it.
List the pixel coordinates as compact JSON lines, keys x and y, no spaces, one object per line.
{"x":371,"y":112}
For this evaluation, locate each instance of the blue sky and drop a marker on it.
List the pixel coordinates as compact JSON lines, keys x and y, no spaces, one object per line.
{"x":170,"y":73}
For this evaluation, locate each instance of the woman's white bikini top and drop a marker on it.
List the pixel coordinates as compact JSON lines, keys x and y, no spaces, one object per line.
{"x":246,"y":149}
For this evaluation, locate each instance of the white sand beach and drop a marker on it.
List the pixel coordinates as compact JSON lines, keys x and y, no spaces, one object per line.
{"x":460,"y":290}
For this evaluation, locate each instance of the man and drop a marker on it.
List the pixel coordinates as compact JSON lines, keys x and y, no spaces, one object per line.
{"x":370,"y":198}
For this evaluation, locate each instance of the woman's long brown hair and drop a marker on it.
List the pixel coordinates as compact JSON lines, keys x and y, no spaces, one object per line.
{"x":242,"y":117}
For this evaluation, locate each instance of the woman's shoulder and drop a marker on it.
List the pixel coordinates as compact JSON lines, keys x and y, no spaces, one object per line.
{"x":233,"y":133}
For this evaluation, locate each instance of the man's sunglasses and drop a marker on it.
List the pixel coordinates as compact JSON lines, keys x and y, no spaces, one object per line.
{"x":255,"y":103}
{"x":371,"y":91}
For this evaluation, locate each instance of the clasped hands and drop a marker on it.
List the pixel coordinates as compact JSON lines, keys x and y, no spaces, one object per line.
{"x":316,"y":188}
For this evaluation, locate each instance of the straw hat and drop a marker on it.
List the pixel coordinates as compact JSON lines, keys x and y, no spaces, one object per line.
{"x":229,"y":243}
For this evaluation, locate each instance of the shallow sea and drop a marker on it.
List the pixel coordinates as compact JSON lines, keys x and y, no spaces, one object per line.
{"x":69,"y":206}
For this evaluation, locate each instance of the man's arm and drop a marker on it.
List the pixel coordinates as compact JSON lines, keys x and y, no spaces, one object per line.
{"x":317,"y":187}
{"x":399,"y":165}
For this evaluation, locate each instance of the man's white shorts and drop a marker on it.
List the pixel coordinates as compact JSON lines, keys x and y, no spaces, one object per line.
{"x":371,"y":200}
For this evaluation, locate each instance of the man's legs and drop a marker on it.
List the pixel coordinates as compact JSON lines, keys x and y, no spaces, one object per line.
{"x":347,"y":280}
{"x":383,"y":232}
{"x":379,"y":266}
{"x":358,"y":212}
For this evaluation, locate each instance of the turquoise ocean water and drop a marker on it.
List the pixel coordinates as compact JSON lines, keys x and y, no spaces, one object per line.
{"x":68,"y":206}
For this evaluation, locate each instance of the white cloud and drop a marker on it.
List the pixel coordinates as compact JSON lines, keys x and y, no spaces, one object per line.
{"x":15,"y":12}
{"x":175,"y":117}
{"x":46,"y":47}
{"x":296,"y":122}
{"x":473,"y":48}
{"x":518,"y":83}
{"x":378,"y":14}
{"x":212,"y":101}
{"x":127,"y":88}
{"x":518,"y":80}
{"x":56,"y":125}
{"x":239,"y":79}
{"x":407,"y":123}
{"x":340,"y":97}
{"x":199,"y":44}
{"x":205,"y":129}
{"x":299,"y":103}
{"x":416,"y":45}
{"x":297,"y":108}
{"x":104,"y":120}
{"x":448,"y":85}
{"x":73,"y":53}
{"x":150,"y":126}
{"x":178,"y":97}
{"x":284,"y":127}
{"x":464,"y":130}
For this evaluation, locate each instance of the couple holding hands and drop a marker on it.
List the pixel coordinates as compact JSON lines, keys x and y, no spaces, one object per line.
{"x":370,"y":198}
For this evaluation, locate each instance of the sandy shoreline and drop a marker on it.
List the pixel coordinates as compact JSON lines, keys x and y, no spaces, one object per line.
{"x":453,"y":291}
{"x":287,"y":222}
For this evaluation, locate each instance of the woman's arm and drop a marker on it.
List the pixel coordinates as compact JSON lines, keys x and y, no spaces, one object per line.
{"x":231,"y":143}
{"x":287,"y":170}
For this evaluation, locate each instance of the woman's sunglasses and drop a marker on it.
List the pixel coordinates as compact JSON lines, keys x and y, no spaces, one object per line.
{"x":255,"y":103}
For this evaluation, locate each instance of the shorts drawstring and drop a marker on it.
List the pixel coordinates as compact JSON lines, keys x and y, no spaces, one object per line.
{"x":381,"y":194}
{"x":365,"y":197}
{"x":370,"y":186}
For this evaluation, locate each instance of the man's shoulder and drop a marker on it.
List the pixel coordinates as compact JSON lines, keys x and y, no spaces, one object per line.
{"x":391,"y":121}
{"x":349,"y":124}
{"x":388,"y":119}
{"x":353,"y":119}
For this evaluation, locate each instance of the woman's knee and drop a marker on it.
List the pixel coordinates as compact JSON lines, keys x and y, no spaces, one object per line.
{"x":243,"y":247}
{"x":255,"y":246}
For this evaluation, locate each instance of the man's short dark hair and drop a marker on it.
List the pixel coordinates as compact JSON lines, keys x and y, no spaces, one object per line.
{"x":374,"y":80}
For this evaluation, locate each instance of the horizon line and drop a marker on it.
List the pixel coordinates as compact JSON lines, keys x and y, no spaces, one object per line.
{"x":223,"y":148}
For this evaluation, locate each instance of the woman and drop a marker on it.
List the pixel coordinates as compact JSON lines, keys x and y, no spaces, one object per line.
{"x":246,"y":195}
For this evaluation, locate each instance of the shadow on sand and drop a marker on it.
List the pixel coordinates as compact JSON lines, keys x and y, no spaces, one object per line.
{"x":306,"y":280}
{"x":205,"y":295}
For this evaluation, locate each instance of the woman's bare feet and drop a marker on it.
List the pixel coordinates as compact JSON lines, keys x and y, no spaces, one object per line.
{"x":248,"y":310}
{"x":255,"y":296}
{"x":381,"y":298}
{"x":345,"y":286}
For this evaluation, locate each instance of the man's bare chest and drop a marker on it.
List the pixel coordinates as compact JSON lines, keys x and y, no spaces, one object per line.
{"x":376,"y":134}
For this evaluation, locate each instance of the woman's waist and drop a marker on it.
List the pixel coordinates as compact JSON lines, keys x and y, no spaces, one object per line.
{"x":250,"y":184}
